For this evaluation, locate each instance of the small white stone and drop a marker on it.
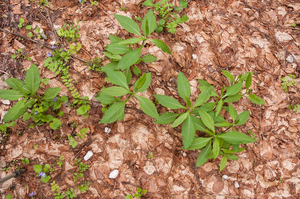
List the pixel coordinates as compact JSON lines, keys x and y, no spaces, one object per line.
{"x":225,"y":177}
{"x":2,"y":116}
{"x":290,"y":58}
{"x":236,"y":184}
{"x":6,"y":102}
{"x":107,"y":130}
{"x":183,"y":154}
{"x":88,"y":155}
{"x":194,"y":56}
{"x":113,"y":174}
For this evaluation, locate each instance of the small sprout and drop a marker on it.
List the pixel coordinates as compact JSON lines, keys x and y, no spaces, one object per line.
{"x":294,"y":25}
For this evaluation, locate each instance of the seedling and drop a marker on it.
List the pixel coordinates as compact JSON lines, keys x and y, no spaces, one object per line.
{"x":83,"y":133}
{"x":95,"y":64}
{"x":36,"y":146}
{"x":77,"y":175}
{"x":123,"y":8}
{"x":35,"y":105}
{"x":4,"y":127}
{"x":138,"y":194}
{"x":85,"y":186}
{"x":21,"y":22}
{"x":288,"y":81}
{"x":150,"y":155}
{"x":94,"y":3}
{"x":18,"y":54}
{"x":294,"y":25}
{"x":25,"y":160}
{"x":72,"y":142}
{"x":73,"y":50}
{"x":69,"y":31}
{"x":295,"y":108}
{"x":70,"y":193}
{"x":168,"y":14}
{"x":60,"y":161}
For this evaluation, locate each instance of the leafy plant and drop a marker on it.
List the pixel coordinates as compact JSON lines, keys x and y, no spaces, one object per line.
{"x":95,"y":64}
{"x":168,"y":14}
{"x":83,"y":133}
{"x":43,"y":3}
{"x":35,"y":105}
{"x":60,"y":161}
{"x":25,"y":160}
{"x":43,"y":172}
{"x":21,"y":22}
{"x":9,"y":196}
{"x":4,"y":127}
{"x":119,"y":47}
{"x":69,"y":31}
{"x":150,"y":155}
{"x":73,"y":50}
{"x":288,"y":81}
{"x":94,"y":3}
{"x":70,"y":193}
{"x":72,"y":142}
{"x":295,"y":108}
{"x":138,"y":194}
{"x":123,"y":8}
{"x":85,"y":186}
{"x":77,"y":175}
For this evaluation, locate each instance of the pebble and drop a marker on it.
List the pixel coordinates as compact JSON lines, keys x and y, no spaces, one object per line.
{"x":88,"y":155}
{"x":290,"y":58}
{"x":113,"y":174}
{"x":236,"y":184}
{"x":107,"y":130}
{"x":6,"y":102}
{"x":225,"y":177}
{"x":194,"y":56}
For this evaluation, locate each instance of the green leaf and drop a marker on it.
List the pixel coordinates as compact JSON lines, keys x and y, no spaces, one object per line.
{"x":216,"y":147}
{"x":233,"y":98}
{"x":128,"y":75}
{"x":188,"y":132}
{"x":203,"y":155}
{"x":114,"y":39}
{"x":129,"y":59}
{"x":113,"y":57}
{"x":17,"y":85}
{"x":55,"y":124}
{"x":10,"y":94}
{"x":166,"y":118}
{"x":148,"y":3}
{"x":32,"y":79}
{"x":149,"y":58}
{"x":223,"y":162}
{"x":145,"y":85}
{"x":180,"y":119}
{"x":234,"y":89}
{"x":198,"y":124}
{"x":204,"y":96}
{"x":51,"y":93}
{"x":149,"y":23}
{"x":184,"y":18}
{"x":232,"y":112}
{"x":235,"y":137}
{"x":136,"y":70}
{"x":248,"y":81}
{"x":128,"y":24}
{"x":9,"y":196}
{"x":83,"y":109}
{"x":219,"y":107}
{"x":207,"y":120}
{"x":117,"y":49}
{"x":255,"y":99}
{"x":15,"y":112}
{"x":199,"y":143}
{"x":223,"y":124}
{"x":168,"y":102}
{"x":140,"y":82}
{"x":236,"y":147}
{"x":232,"y":157}
{"x":115,"y":91}
{"x":242,"y":118}
{"x":112,"y":114}
{"x":37,"y":168}
{"x":130,"y":41}
{"x":161,"y":45}
{"x":229,"y":76}
{"x":147,"y":106}
{"x":117,"y":77}
{"x":183,"y":86}
{"x":26,"y":116}
{"x":183,"y":3}
{"x":46,"y":178}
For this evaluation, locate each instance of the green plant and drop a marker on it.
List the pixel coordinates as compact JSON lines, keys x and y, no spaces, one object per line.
{"x":21,"y":22}
{"x":35,"y":105}
{"x":42,"y":171}
{"x":6,"y":169}
{"x":83,"y":167}
{"x":70,"y":193}
{"x":252,"y":135}
{"x":77,"y":175}
{"x":25,"y":160}
{"x":295,"y":108}
{"x":28,"y":27}
{"x":72,"y":142}
{"x":83,"y":133}
{"x":43,"y":3}
{"x":118,"y":47}
{"x":60,"y":161}
{"x":294,"y":25}
{"x":150,"y":155}
{"x":9,"y":196}
{"x":73,"y":50}
{"x":69,"y":31}
{"x":168,"y":14}
{"x":123,"y":8}
{"x":94,"y":3}
{"x":137,"y":194}
{"x":36,"y":146}
{"x":95,"y":64}
{"x":288,"y":81}
{"x":84,"y":187}
{"x":4,"y":127}
{"x":18,"y":54}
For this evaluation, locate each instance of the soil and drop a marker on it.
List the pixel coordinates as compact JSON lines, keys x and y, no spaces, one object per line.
{"x":238,"y":36}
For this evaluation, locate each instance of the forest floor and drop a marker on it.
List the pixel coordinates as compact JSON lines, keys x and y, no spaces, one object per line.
{"x":238,"y":36}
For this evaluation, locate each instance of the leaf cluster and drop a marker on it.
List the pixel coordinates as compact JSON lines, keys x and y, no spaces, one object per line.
{"x":288,"y":81}
{"x":69,"y":31}
{"x":168,"y":14}
{"x":32,"y":104}
{"x":45,"y":169}
{"x":137,"y":194}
